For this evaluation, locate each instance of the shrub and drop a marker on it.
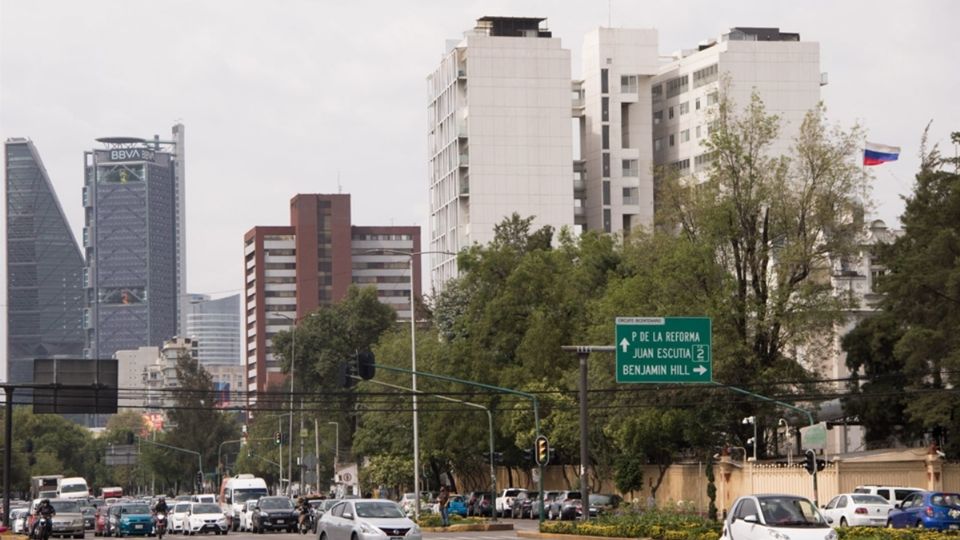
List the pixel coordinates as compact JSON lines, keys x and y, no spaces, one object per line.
{"x":629,"y":523}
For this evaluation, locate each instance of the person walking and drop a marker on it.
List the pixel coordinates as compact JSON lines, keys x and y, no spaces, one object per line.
{"x":442,"y":501}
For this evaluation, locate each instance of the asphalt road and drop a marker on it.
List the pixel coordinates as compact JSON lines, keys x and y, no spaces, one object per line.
{"x":518,"y":524}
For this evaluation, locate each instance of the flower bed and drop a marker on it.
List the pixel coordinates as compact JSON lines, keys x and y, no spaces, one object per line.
{"x":657,"y":524}
{"x":433,"y":520}
{"x":872,"y":533}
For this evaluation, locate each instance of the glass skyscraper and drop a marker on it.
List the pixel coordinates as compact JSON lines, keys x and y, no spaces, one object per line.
{"x":133,"y":236}
{"x":44,"y":268}
{"x":216,"y":327}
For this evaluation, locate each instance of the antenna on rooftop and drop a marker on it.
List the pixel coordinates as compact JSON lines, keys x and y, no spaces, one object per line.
{"x":339,"y":186}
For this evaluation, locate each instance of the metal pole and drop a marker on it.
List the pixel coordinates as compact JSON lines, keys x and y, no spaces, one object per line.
{"x":293,"y":356}
{"x":416,"y":423}
{"x":336,"y":448}
{"x":302,"y":490}
{"x":584,"y":430}
{"x":280,"y":458}
{"x":316,"y":450}
{"x":493,"y":470}
{"x":7,"y":450}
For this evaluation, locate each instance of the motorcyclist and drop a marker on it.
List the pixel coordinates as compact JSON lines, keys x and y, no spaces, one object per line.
{"x":44,"y":510}
{"x":161,"y":506}
{"x":303,"y":508}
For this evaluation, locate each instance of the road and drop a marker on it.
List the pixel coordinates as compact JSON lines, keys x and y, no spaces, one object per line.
{"x":518,"y":524}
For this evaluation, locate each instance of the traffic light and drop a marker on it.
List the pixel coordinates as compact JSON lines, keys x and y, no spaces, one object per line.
{"x":542,"y":450}
{"x":810,"y":461}
{"x":366,"y":367}
{"x":821,"y":464}
{"x":344,"y":379}
{"x":277,"y":438}
{"x":199,"y":478}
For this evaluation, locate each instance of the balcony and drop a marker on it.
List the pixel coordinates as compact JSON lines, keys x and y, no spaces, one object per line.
{"x":463,"y":159}
{"x":579,"y":186}
{"x":465,"y":186}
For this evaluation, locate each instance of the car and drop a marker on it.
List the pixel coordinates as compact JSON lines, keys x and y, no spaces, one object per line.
{"x":367,"y":519}
{"x":204,"y":498}
{"x":548,"y":497}
{"x":129,"y":518}
{"x":18,"y":520}
{"x":927,"y":510}
{"x":603,"y":503}
{"x":525,"y":505}
{"x":857,"y":510}
{"x":89,"y":517}
{"x":472,"y":500}
{"x":566,"y":505}
{"x":246,"y":516}
{"x":505,"y":501}
{"x":894,"y":494}
{"x":68,"y":521}
{"x":178,"y":516}
{"x":274,"y":513}
{"x":456,"y":505}
{"x":775,"y":516}
{"x":483,"y":505}
{"x":204,"y":518}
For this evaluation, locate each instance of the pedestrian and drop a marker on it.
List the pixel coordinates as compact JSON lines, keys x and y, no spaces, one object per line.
{"x":442,"y":501}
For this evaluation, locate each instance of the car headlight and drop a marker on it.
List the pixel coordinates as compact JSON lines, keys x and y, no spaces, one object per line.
{"x":222,"y":520}
{"x":777,"y":535}
{"x":77,"y":523}
{"x":366,"y":528}
{"x":832,"y":535}
{"x":415,"y":530}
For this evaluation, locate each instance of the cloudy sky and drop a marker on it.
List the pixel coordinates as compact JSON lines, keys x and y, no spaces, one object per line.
{"x":285,"y":97}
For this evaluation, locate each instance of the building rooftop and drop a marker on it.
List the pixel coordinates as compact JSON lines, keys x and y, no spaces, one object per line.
{"x":512,"y":26}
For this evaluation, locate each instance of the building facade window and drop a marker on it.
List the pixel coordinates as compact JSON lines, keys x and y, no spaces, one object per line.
{"x":678,"y":85}
{"x":657,"y":144}
{"x":605,"y":109}
{"x":657,"y":117}
{"x":606,"y":192}
{"x":628,"y":84}
{"x":685,"y":135}
{"x":630,"y":167}
{"x":605,"y":163}
{"x":670,"y":113}
{"x":706,"y":75}
{"x":604,"y":81}
{"x":673,"y":140}
{"x":656,"y":92}
{"x":605,"y":137}
{"x":684,"y":108}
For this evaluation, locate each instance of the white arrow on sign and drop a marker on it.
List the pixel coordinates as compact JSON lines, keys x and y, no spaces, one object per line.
{"x":700,"y":370}
{"x":624,"y":344}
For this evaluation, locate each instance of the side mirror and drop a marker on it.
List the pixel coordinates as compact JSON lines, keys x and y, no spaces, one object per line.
{"x":829,"y":520}
{"x":751,"y":519}
{"x":347,"y":515}
{"x":896,"y":505}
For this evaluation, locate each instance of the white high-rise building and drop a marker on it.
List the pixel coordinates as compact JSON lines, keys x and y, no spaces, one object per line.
{"x":216,"y":327}
{"x":499,"y":136}
{"x":613,"y":104}
{"x":784,"y":71}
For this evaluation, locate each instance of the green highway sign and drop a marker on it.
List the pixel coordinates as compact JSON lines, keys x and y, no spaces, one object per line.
{"x":664,"y":350}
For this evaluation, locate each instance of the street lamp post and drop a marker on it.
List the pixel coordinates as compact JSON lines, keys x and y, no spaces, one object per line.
{"x":336,"y":448}
{"x":293,"y":353}
{"x":752,"y":420}
{"x":783,"y":422}
{"x":413,"y":368}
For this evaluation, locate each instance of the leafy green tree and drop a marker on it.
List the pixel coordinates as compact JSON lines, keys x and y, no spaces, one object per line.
{"x":913,"y":346}
{"x":198,"y":424}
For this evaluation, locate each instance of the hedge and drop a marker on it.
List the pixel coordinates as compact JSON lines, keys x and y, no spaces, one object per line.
{"x":656,"y":524}
{"x":873,"y":533}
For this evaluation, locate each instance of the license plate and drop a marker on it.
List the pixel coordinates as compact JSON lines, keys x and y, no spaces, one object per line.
{"x":280,"y":521}
{"x":396,"y":538}
{"x":954,"y":527}
{"x":138,"y":526}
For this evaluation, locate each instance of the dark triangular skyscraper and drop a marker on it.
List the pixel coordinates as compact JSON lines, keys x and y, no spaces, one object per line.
{"x":44,"y":268}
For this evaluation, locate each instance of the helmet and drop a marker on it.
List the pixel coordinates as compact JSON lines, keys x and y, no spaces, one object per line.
{"x":161,"y":499}
{"x":45,"y":501}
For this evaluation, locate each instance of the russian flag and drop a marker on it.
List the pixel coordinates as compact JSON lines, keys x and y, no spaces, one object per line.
{"x":878,"y":154}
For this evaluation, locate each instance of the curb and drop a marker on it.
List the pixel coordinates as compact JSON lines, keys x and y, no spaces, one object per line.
{"x":558,"y":536}
{"x":475,"y":527}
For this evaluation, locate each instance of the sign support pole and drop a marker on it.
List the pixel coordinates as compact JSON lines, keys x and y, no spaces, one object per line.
{"x":584,"y":433}
{"x":7,"y":450}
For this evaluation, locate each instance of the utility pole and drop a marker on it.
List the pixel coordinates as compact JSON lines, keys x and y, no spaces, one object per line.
{"x":302,"y":490}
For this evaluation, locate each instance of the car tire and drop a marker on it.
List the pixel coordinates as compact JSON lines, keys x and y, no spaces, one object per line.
{"x":889,"y":523}
{"x":920,"y":525}
{"x":323,"y":536}
{"x":843,"y":522}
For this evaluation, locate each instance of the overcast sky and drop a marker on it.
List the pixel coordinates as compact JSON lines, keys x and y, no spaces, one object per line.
{"x":282,"y":97}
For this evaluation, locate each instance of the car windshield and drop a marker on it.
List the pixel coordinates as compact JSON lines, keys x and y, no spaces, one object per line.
{"x":244,"y":495}
{"x":181,"y":508}
{"x":328,"y":504}
{"x":945,"y":499}
{"x":790,"y":512}
{"x":511,"y":493}
{"x":281,"y":503}
{"x":869,"y":499}
{"x":600,"y":499}
{"x":378,"y":509}
{"x":65,"y":506}
{"x":88,"y":511}
{"x":573,"y":495}
{"x":457,"y":499}
{"x":135,"y":509}
{"x":206,"y":508}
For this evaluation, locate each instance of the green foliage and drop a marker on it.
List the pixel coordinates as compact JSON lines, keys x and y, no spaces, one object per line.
{"x":711,"y":489}
{"x":656,"y":524}
{"x":912,"y":349}
{"x":873,"y":533}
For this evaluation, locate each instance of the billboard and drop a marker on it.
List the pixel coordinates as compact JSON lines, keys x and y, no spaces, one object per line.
{"x":75,"y":386}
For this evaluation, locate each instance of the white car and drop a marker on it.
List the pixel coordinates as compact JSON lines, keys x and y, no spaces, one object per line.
{"x":505,"y":501}
{"x":367,"y":519}
{"x":776,"y":517}
{"x":205,"y":517}
{"x":893,"y":494}
{"x":858,"y":510}
{"x":246,"y":516}
{"x":178,"y":516}
{"x":18,"y":520}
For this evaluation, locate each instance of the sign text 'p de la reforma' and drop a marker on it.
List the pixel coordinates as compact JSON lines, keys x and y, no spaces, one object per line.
{"x":664,"y":350}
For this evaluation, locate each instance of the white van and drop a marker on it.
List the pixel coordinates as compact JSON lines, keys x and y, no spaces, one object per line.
{"x":73,"y":488}
{"x":236,"y":491}
{"x":895,"y":495}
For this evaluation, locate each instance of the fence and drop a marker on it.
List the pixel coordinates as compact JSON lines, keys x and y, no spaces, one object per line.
{"x":686,"y":483}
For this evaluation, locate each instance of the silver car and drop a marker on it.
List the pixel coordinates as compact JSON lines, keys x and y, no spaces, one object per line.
{"x":367,"y":519}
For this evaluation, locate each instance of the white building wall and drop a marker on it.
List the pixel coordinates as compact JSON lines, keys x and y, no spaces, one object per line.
{"x":785,"y":74}
{"x":500,"y":141}
{"x":629,"y":58}
{"x":131,"y":365}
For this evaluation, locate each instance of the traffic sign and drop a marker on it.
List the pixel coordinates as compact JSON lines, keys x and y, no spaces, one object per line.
{"x":814,"y":437}
{"x":664,"y":350}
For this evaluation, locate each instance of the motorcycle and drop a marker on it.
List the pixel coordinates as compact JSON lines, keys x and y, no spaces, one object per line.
{"x":306,"y":522}
{"x":161,"y":524}
{"x":42,"y":529}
